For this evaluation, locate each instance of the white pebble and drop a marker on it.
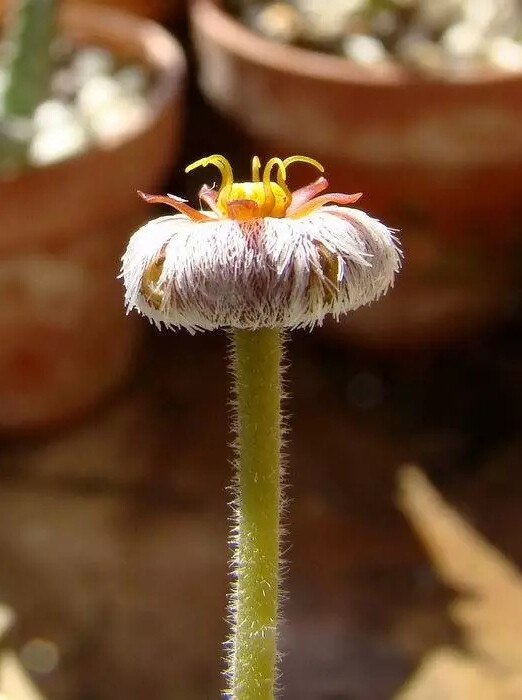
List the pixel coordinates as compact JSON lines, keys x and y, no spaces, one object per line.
{"x":505,"y":53}
{"x":463,"y":40}
{"x":421,"y":54}
{"x":324,"y":26}
{"x":119,"y":119}
{"x":363,"y":49}
{"x":350,"y":6}
{"x":481,"y":13}
{"x":279,"y":21}
{"x":97,"y":93}
{"x":58,"y":143}
{"x":91,"y":62}
{"x":52,"y":113}
{"x":132,"y":80}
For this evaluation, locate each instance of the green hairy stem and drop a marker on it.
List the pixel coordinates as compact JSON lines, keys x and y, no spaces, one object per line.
{"x":256,"y":535}
{"x":28,"y":65}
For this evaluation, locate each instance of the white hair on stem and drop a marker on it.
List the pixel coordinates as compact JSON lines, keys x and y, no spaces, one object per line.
{"x":256,"y":572}
{"x":266,"y":272}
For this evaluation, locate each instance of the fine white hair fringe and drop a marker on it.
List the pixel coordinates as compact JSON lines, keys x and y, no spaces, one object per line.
{"x":261,"y":273}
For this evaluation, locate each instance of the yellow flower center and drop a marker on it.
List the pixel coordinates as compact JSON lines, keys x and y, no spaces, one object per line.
{"x":261,"y":197}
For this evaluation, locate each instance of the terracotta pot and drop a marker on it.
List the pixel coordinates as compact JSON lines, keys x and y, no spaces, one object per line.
{"x":64,"y":337}
{"x":155,"y":9}
{"x":440,"y":158}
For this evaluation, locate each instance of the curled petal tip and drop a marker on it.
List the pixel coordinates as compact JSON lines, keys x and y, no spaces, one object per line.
{"x":149,"y":198}
{"x":209,"y":195}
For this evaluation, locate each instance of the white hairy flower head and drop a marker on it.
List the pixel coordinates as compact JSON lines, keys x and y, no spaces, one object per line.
{"x":260,"y":256}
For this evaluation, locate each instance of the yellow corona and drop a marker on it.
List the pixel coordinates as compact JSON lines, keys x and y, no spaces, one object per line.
{"x":261,"y":197}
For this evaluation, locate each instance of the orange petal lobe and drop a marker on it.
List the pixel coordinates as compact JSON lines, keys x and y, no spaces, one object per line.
{"x":306,"y":193}
{"x":176,"y":203}
{"x":332,"y":198}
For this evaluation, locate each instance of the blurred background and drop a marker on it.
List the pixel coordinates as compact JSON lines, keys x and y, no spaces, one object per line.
{"x":114,"y":457}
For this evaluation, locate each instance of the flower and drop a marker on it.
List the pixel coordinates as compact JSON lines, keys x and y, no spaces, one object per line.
{"x":259,"y":256}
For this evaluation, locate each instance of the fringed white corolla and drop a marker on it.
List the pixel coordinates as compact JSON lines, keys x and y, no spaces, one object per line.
{"x":260,"y":259}
{"x":260,"y":256}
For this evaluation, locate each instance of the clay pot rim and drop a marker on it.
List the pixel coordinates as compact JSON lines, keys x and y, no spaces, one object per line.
{"x":235,"y":37}
{"x":145,"y":40}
